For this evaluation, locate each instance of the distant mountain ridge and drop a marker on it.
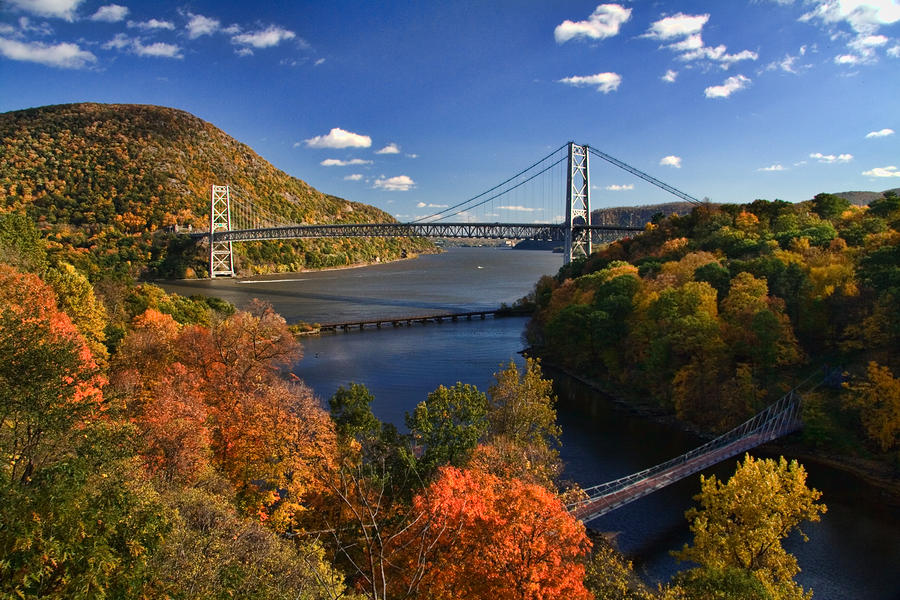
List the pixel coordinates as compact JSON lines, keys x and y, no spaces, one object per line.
{"x":104,"y":180}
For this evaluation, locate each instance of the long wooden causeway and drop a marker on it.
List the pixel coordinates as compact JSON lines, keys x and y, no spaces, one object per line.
{"x":406,"y":321}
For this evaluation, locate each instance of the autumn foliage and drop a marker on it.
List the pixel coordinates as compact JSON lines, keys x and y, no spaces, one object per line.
{"x":498,"y":538}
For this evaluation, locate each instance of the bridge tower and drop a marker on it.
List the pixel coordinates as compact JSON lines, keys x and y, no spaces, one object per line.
{"x":578,"y":204}
{"x":221,"y":258}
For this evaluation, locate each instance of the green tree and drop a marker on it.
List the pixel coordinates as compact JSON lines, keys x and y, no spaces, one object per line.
{"x":522,"y":419}
{"x":448,"y":426}
{"x":829,"y":206}
{"x":20,"y":243}
{"x":351,"y":411}
{"x":75,"y":296}
{"x":740,"y":524}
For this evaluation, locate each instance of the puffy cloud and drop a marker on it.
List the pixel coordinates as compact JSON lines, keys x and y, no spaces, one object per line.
{"x":605,"y":82}
{"x":894,"y":51}
{"x":670,"y":76}
{"x":151,"y":25}
{"x":111,"y":13}
{"x":137,"y":47}
{"x":336,"y":162}
{"x":788,"y":64}
{"x":772,"y":168}
{"x":831,"y":158}
{"x":863,"y":16}
{"x":62,"y":9}
{"x":728,"y":87}
{"x":157,"y":50}
{"x":620,"y":188}
{"x":354,"y":177}
{"x":678,"y":25}
{"x":198,"y":25}
{"x":339,"y":138}
{"x":63,"y":55}
{"x":671,"y":161}
{"x":604,"y":22}
{"x":890,"y":171}
{"x":430,"y":205}
{"x":400,"y":183}
{"x":880,"y":133}
{"x":265,"y":38}
{"x":391,"y":148}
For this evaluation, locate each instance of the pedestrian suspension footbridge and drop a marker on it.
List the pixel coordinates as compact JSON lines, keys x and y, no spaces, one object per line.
{"x":525,"y":206}
{"x":779,"y":419}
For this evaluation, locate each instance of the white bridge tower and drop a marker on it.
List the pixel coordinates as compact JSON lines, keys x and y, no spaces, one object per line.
{"x":578,"y":204}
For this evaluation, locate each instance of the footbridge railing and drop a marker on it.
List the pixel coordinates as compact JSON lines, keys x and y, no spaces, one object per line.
{"x":779,"y":419}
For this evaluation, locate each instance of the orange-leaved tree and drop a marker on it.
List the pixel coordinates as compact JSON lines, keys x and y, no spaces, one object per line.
{"x":497,"y":538}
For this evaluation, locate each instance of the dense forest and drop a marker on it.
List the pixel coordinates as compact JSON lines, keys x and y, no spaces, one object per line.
{"x":107,"y":183}
{"x":714,"y":314}
{"x":155,"y":446}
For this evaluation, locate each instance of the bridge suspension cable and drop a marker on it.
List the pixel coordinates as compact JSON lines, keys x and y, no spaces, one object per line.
{"x":462,"y":206}
{"x":634,"y":171}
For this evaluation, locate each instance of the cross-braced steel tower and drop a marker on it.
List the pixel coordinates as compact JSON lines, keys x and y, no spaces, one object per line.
{"x":221,"y":259}
{"x":578,"y":204}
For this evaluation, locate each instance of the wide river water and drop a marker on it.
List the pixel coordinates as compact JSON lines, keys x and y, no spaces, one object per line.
{"x":853,"y":552}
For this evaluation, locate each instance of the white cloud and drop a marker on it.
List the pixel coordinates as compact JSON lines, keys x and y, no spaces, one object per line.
{"x":518,"y":208}
{"x":678,"y":25}
{"x":772,"y":168}
{"x":864,"y":16}
{"x":894,"y":51}
{"x":151,"y":25}
{"x":670,"y":76}
{"x":62,"y":9}
{"x":880,"y":133}
{"x":336,"y":162}
{"x":391,"y":148}
{"x":412,"y":156}
{"x":198,"y":25}
{"x":137,"y":47}
{"x":788,"y":64}
{"x":400,"y":183}
{"x":671,"y":161}
{"x":119,"y":42}
{"x":604,"y":22}
{"x":339,"y":138}
{"x":620,"y":188}
{"x":157,"y":50}
{"x":831,"y":158}
{"x":883,"y":172}
{"x":265,"y":38}
{"x":605,"y":82}
{"x":63,"y":55}
{"x":354,"y":177}
{"x":111,"y":13}
{"x":318,"y":62}
{"x":728,"y":87}
{"x":430,"y":205}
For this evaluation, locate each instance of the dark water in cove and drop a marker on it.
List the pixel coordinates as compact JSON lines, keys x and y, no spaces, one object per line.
{"x":854,"y":552}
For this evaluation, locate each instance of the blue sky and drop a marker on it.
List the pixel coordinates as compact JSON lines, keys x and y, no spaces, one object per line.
{"x":401,"y":104}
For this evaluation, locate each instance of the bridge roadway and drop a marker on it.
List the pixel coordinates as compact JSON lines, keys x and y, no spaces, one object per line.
{"x":509,"y":231}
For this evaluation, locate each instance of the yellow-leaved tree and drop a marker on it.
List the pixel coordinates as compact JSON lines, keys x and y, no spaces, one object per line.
{"x":740,"y":524}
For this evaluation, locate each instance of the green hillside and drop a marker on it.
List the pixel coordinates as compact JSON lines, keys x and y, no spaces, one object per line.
{"x":105,"y":183}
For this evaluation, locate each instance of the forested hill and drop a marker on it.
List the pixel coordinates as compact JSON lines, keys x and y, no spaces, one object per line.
{"x":103,"y":180}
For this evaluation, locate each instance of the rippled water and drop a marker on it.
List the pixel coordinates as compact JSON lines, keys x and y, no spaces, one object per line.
{"x":854,"y":552}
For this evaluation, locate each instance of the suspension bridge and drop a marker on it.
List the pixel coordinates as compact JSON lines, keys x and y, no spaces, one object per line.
{"x":534,"y":191}
{"x":775,"y":421}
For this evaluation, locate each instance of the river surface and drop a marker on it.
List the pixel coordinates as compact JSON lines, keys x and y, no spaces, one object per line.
{"x":853,"y":552}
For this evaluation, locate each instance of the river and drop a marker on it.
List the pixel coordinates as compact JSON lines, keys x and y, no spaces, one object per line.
{"x":854,"y":552}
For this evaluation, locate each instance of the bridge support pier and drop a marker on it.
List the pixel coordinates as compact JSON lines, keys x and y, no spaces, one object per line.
{"x":221,"y":258}
{"x":578,"y":204}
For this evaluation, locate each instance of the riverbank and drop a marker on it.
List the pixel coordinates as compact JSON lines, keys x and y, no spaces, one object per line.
{"x":883,"y":481}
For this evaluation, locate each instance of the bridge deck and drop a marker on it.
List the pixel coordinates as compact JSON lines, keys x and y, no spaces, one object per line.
{"x":409,"y":320}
